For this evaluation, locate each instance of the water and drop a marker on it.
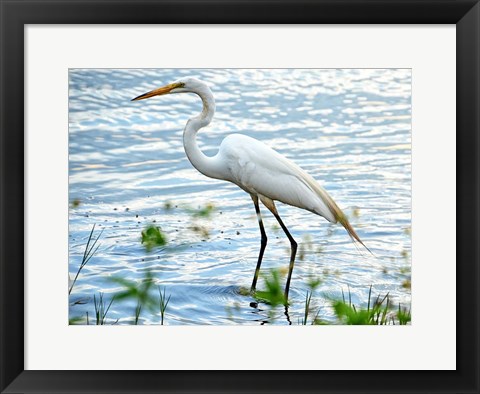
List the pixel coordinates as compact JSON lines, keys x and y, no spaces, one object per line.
{"x":350,"y":129}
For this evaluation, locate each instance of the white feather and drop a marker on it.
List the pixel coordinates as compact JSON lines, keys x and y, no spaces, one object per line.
{"x":260,"y":170}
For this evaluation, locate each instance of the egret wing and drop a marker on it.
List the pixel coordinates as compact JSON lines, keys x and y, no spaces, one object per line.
{"x":258,"y":169}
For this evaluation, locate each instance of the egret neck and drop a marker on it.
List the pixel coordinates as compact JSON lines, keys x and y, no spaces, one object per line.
{"x":208,"y":166}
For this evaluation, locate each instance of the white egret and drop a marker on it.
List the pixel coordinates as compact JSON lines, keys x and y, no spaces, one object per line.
{"x":257,"y":169}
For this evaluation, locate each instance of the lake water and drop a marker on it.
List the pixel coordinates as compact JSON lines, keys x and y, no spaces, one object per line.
{"x":350,"y":129}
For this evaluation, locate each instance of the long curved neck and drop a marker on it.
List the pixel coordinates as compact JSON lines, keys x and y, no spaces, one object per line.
{"x":206,"y":165}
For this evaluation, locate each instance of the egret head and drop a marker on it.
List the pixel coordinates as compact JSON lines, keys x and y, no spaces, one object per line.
{"x":184,"y":85}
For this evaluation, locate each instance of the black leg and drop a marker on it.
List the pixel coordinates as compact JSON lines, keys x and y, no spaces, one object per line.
{"x":263,"y":244}
{"x":293,"y":245}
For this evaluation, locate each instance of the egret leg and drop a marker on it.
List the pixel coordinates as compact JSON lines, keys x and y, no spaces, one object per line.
{"x":293,"y":249}
{"x":263,"y":244}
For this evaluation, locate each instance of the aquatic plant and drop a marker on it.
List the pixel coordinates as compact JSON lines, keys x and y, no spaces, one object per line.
{"x":273,"y":294}
{"x":376,"y":313}
{"x":138,"y":310}
{"x":153,"y":237}
{"x":203,"y":212}
{"x":75,"y":203}
{"x":403,"y":315}
{"x":87,"y":254}
{"x":100,"y":310}
{"x":313,"y":283}
{"x":75,"y":320}
{"x":139,"y":291}
{"x":163,"y":304}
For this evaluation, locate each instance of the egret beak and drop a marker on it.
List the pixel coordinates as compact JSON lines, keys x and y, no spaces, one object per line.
{"x":158,"y":92}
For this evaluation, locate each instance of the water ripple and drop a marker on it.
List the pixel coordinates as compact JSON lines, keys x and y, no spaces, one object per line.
{"x":348,"y":128}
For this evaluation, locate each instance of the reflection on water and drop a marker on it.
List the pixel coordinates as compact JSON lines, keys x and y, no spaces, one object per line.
{"x":350,"y":129}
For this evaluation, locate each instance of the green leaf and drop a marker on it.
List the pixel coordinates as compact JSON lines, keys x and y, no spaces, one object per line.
{"x":153,"y":237}
{"x":273,"y":294}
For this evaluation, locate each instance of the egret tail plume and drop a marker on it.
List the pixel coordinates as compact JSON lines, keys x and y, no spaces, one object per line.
{"x":334,"y":209}
{"x":351,"y":232}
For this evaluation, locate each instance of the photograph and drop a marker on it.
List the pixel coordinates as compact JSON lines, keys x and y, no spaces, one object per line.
{"x":240,"y":196}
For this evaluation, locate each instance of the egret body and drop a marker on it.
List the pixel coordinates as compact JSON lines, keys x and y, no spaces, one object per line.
{"x":257,"y":169}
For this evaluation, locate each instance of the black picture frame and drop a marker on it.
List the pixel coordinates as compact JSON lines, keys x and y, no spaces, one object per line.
{"x":15,"y":14}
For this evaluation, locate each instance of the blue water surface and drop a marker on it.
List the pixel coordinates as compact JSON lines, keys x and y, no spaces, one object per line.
{"x":350,"y":129}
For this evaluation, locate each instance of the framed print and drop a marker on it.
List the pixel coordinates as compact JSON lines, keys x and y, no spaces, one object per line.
{"x":110,"y":215}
